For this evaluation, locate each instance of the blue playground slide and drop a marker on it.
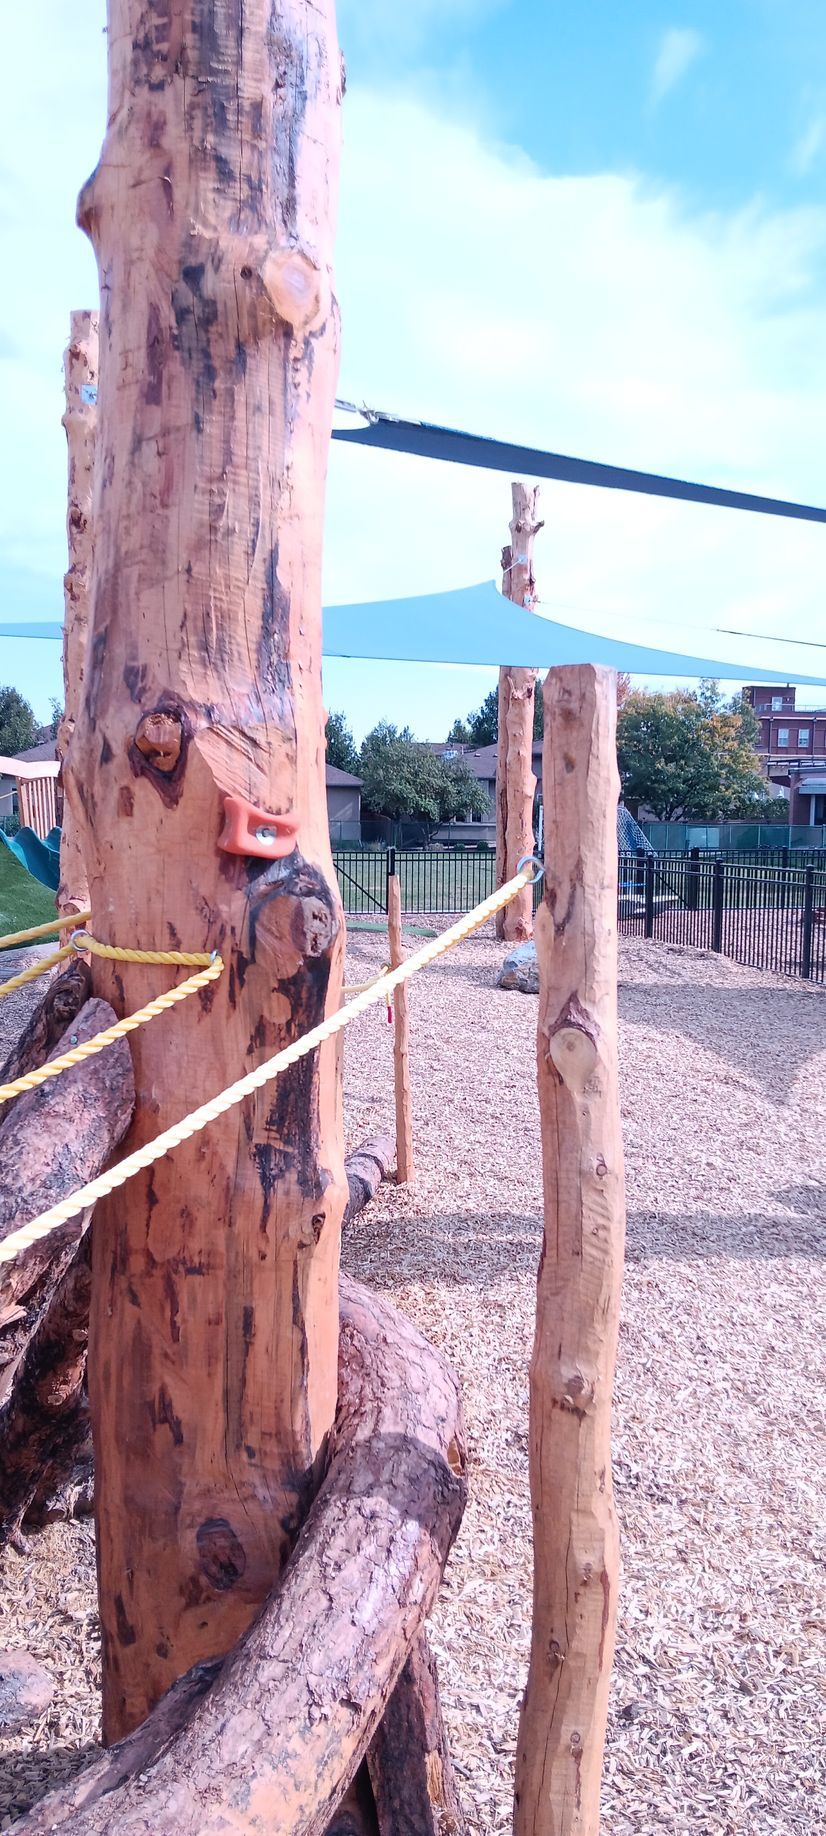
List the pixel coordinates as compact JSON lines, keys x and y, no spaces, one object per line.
{"x":40,"y":858}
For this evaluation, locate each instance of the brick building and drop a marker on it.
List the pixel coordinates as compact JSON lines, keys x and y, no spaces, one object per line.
{"x":792,"y":748}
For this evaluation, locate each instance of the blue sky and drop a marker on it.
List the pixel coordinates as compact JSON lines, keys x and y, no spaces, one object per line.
{"x":599,"y":228}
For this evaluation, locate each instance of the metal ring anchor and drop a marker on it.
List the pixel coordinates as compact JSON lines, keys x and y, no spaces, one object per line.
{"x":534,"y":861}
{"x":80,"y":942}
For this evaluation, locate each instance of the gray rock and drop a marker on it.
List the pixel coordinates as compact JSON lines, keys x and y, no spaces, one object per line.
{"x":520,"y":970}
{"x":26,"y":1689}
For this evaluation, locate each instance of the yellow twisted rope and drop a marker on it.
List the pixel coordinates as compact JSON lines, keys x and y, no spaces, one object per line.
{"x":81,"y":940}
{"x":89,"y":1047}
{"x":359,"y":987}
{"x":88,"y":1195}
{"x":46,"y":962}
{"x":70,"y":923}
{"x":190,"y":958}
{"x":37,"y":969}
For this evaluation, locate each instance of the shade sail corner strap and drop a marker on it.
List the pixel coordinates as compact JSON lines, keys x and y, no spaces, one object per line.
{"x":425,"y":440}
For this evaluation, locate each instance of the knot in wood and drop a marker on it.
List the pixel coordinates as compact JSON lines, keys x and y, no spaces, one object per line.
{"x":573,"y":1044}
{"x":159,"y":738}
{"x":578,"y":1393}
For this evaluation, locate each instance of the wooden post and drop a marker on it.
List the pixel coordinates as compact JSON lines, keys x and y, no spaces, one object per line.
{"x":80,"y":365}
{"x":405,"y":1170}
{"x":562,"y":1726}
{"x":515,"y":782}
{"x":198,"y":759}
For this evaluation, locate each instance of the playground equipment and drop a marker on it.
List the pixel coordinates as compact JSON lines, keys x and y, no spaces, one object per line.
{"x":280,"y":1465}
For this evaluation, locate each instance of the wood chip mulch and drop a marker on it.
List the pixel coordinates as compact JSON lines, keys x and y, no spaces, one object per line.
{"x":718,"y":1719}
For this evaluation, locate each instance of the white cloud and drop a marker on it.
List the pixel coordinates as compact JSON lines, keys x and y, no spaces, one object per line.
{"x":679,"y":48}
{"x":593,"y":315}
{"x":809,"y":146}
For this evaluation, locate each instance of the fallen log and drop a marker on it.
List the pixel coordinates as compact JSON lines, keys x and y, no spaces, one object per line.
{"x":55,"y":1139}
{"x":365,"y":1169}
{"x":275,"y":1739}
{"x":66,"y":994}
{"x":44,"y":1422}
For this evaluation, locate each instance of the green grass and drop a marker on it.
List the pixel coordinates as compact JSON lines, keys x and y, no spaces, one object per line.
{"x":23,"y":901}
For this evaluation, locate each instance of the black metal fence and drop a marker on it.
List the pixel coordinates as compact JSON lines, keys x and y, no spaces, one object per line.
{"x":432,"y":879}
{"x":764,"y":917}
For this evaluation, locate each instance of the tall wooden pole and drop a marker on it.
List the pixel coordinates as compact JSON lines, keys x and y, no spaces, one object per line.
{"x":199,"y":762}
{"x":401,"y":1039}
{"x":80,"y":364}
{"x":515,"y":782}
{"x":576,"y":1556}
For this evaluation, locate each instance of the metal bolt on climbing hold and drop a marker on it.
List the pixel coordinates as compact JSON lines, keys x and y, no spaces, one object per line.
{"x":265,"y":835}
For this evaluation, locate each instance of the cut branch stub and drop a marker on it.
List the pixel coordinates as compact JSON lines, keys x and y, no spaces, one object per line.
{"x":273,"y":1740}
{"x":159,"y":738}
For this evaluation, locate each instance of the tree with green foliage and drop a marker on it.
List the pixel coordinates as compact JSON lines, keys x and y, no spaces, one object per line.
{"x":406,"y":780}
{"x":689,"y":754}
{"x":18,"y":726}
{"x":341,"y":747}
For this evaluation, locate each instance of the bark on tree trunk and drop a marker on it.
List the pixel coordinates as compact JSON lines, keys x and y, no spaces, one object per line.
{"x":56,"y":1138}
{"x":199,"y":760}
{"x":515,"y":781}
{"x":44,"y":1423}
{"x":401,"y":1040}
{"x":562,"y":1726}
{"x":80,"y":365}
{"x":409,"y":1762}
{"x":66,"y":994}
{"x":271,"y":1741}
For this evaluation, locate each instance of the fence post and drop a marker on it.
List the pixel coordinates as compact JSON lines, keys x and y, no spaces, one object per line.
{"x":717,"y":906}
{"x":648,"y":924}
{"x":808,"y":922}
{"x":391,"y":874}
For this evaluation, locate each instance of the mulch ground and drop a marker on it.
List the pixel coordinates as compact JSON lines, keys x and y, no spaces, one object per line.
{"x":718,"y":1711}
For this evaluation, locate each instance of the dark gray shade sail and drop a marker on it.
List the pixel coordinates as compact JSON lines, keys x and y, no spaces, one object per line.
{"x":424,"y":440}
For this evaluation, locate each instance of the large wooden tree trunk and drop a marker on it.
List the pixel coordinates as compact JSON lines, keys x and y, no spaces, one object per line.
{"x":562,"y":1727}
{"x":80,"y":365}
{"x":515,"y":783}
{"x":199,"y":761}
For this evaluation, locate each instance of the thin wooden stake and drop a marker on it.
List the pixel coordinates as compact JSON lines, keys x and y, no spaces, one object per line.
{"x":401,"y":1055}
{"x":576,"y":1553}
{"x":515,"y":781}
{"x":80,"y":363}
